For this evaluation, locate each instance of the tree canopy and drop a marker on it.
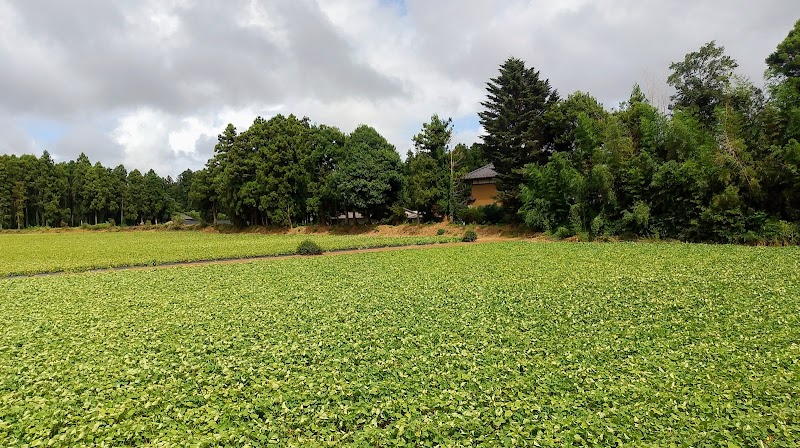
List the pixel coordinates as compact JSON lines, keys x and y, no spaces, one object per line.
{"x":514,"y":121}
{"x":723,"y":164}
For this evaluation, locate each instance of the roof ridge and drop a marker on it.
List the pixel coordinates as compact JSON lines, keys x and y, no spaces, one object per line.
{"x":489,"y":165}
{"x":485,"y":172}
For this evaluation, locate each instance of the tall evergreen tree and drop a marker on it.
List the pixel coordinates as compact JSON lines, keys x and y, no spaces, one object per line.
{"x":429,"y":186}
{"x":514,"y":121}
{"x":6,"y":200}
{"x":327,"y":153}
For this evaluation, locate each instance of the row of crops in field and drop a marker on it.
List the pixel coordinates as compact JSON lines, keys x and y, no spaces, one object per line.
{"x":77,"y":251}
{"x":492,"y":344}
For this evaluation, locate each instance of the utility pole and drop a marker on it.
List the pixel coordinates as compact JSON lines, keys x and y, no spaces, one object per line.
{"x":450,"y":198}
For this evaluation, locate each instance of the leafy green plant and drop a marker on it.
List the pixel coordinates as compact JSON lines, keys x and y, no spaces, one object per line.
{"x":32,"y":253}
{"x":492,"y":213}
{"x":440,"y":232}
{"x":470,"y":236}
{"x":562,"y":232}
{"x":472,"y":215}
{"x":308,"y":247}
{"x":640,"y":345}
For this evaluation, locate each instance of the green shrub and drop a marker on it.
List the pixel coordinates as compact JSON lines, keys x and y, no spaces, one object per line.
{"x":440,"y":232}
{"x":472,"y":216}
{"x":308,"y":247}
{"x":98,"y":226}
{"x":752,"y":238}
{"x":780,"y":233}
{"x":492,"y":214}
{"x":637,"y":219}
{"x":469,"y":236}
{"x":562,"y":232}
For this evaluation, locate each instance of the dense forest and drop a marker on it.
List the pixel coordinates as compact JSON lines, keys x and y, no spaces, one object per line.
{"x":721,"y":164}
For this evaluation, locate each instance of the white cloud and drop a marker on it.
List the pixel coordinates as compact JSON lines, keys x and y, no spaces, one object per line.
{"x":152,"y":83}
{"x":142,"y":135}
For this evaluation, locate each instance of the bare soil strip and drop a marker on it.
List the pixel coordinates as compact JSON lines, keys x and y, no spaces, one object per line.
{"x":263,"y":257}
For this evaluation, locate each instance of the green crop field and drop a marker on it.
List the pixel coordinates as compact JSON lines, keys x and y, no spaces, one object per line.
{"x":490,"y":344}
{"x":30,"y":253}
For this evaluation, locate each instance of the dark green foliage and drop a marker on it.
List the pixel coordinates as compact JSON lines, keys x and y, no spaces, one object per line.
{"x":282,"y":171}
{"x":516,"y":125}
{"x":564,"y":118}
{"x":430,"y":187}
{"x":723,"y":166}
{"x":36,"y":192}
{"x":551,"y":193}
{"x":326,"y":154}
{"x":440,"y":232}
{"x":780,"y":233}
{"x":562,"y":232}
{"x":370,"y":177}
{"x":701,"y":79}
{"x":260,"y":174}
{"x":492,"y":214}
{"x":308,"y":247}
{"x":785,"y":61}
{"x":470,"y":236}
{"x":471,"y":215}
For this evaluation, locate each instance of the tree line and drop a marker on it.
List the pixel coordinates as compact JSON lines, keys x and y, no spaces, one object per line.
{"x":721,"y":164}
{"x":282,"y":171}
{"x":286,"y":171}
{"x":35,"y":191}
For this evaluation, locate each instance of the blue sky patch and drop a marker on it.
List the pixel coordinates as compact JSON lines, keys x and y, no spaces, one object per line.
{"x":399,"y":5}
{"x":43,"y":130}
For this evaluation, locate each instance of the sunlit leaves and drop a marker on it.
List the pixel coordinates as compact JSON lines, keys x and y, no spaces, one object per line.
{"x":79,"y":251}
{"x":492,"y":344}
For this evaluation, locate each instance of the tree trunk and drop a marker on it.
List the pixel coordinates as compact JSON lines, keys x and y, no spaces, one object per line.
{"x":95,"y":217}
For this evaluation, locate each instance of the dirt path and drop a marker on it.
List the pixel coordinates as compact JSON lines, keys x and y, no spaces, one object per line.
{"x":332,"y":253}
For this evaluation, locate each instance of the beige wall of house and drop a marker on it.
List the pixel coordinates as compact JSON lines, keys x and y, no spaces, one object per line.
{"x":484,"y":194}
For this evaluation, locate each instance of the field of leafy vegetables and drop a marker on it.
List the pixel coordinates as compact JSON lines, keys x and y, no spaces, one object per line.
{"x":30,"y":253}
{"x":494,"y":344}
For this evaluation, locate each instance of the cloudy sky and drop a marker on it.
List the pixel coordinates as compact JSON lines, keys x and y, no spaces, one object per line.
{"x":151,"y":83}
